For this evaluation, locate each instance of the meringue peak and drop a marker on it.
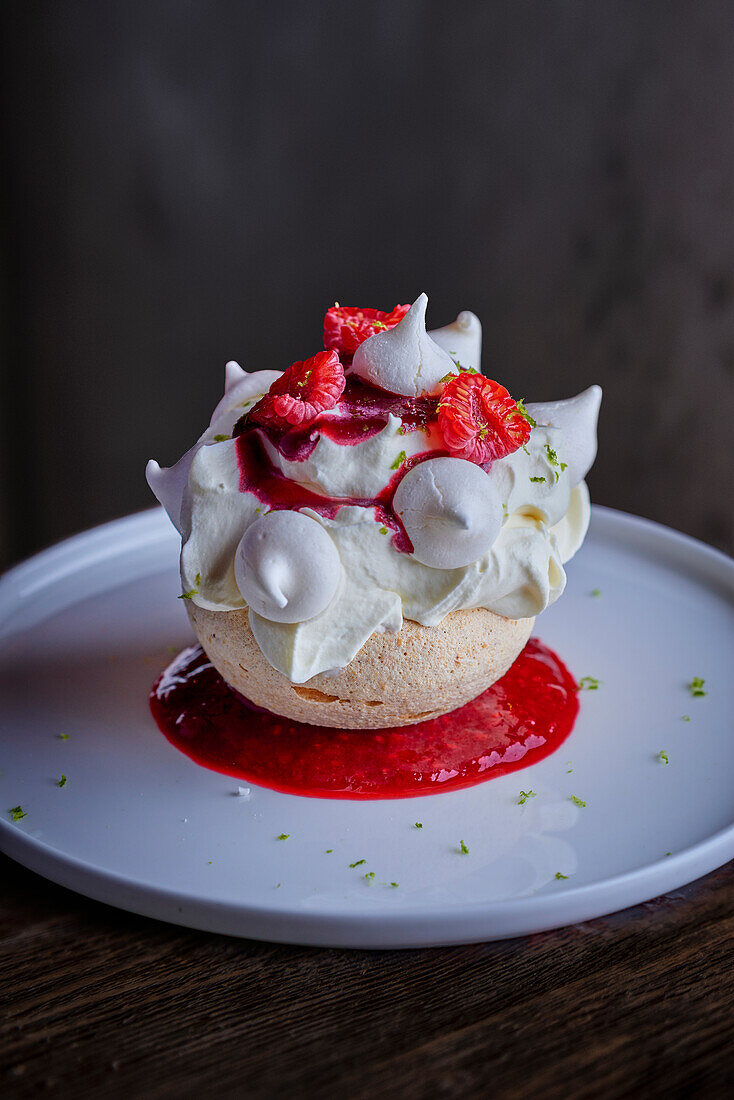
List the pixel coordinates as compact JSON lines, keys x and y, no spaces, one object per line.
{"x":233,"y":373}
{"x":462,"y":339}
{"x":577,"y":418}
{"x":404,"y":359}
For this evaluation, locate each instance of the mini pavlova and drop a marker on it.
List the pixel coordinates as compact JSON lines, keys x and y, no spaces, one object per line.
{"x":368,"y":535}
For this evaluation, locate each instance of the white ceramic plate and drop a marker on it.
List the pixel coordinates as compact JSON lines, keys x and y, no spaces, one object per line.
{"x":87,"y":626}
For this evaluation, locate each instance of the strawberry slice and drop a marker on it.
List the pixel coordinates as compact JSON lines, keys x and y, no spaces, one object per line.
{"x":304,"y":390}
{"x":346,"y":327}
{"x":479,"y":420}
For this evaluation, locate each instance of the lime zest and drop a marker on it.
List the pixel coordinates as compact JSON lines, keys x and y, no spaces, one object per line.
{"x":525,"y":414}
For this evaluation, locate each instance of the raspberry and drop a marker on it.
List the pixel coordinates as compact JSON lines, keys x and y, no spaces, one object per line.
{"x":304,"y":390}
{"x":346,"y":327}
{"x":479,"y":420}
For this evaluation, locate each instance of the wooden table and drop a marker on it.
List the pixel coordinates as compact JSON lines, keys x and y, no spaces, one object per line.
{"x":96,"y":1002}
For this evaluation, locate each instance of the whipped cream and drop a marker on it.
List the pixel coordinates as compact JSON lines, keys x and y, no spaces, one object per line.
{"x":331,"y":571}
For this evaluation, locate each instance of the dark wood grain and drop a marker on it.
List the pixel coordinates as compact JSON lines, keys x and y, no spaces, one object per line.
{"x":96,"y":1002}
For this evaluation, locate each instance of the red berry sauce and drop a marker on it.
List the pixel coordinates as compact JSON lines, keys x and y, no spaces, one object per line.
{"x":363,"y":411}
{"x":522,"y":718}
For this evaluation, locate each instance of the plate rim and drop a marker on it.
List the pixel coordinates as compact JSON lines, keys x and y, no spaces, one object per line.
{"x":382,"y":926}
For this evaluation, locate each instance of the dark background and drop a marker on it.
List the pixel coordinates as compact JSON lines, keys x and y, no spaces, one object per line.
{"x":187,"y":182}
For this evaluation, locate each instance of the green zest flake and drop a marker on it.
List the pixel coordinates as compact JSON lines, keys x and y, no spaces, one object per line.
{"x":577,"y":801}
{"x":401,"y":430}
{"x":564,"y":466}
{"x":696,"y":686}
{"x":17,"y":812}
{"x":524,"y":796}
{"x":283,"y":836}
{"x":685,"y":717}
{"x":668,"y":853}
{"x":552,"y":455}
{"x":589,"y":683}
{"x":277,"y":886}
{"x":221,"y":438}
{"x":419,"y":824}
{"x":209,"y":863}
{"x":383,"y":530}
{"x":370,"y":877}
{"x":189,"y":595}
{"x":559,"y":875}
{"x":357,"y":863}
{"x":61,"y":782}
{"x":663,"y":757}
{"x":463,"y":848}
{"x":329,"y":851}
{"x":65,"y":736}
{"x":596,"y":592}
{"x":464,"y":370}
{"x":394,"y":885}
{"x":399,"y":461}
{"x":525,"y":414}
{"x":197,"y":579}
{"x":527,"y":452}
{"x":537,"y":479}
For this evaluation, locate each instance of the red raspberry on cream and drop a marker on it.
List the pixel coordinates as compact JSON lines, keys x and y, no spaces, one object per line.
{"x":346,"y":327}
{"x":304,"y":390}
{"x":479,"y":420}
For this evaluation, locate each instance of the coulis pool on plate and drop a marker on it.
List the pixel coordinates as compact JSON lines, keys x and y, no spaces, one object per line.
{"x":522,"y":718}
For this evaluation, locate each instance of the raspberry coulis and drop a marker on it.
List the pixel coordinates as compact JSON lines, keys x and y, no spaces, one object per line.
{"x":363,"y":411}
{"x":521,"y":719}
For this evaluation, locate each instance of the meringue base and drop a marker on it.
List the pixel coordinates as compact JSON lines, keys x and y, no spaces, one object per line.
{"x":395,"y":679}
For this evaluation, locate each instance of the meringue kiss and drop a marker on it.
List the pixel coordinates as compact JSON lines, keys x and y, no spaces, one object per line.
{"x":286,"y":567}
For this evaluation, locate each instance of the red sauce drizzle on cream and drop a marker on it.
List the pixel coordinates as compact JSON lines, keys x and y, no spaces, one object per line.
{"x":363,"y":411}
{"x":522,"y":718}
